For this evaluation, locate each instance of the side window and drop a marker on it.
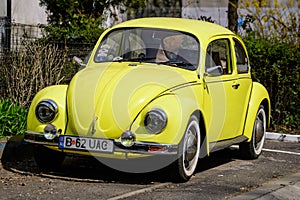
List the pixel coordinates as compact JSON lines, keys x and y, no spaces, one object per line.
{"x":218,"y":58}
{"x":241,"y":58}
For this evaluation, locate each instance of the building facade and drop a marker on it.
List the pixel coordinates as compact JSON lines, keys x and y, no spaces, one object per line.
{"x":19,"y":18}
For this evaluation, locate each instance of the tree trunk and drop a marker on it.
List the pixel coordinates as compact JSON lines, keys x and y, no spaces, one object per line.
{"x":232,"y":15}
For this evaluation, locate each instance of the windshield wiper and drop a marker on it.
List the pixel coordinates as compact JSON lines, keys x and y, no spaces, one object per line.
{"x":175,"y":63}
{"x":138,"y":59}
{"x":178,"y":63}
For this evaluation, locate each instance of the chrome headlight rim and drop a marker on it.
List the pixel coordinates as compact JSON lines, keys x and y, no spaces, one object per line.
{"x":44,"y":106}
{"x":150,"y":120}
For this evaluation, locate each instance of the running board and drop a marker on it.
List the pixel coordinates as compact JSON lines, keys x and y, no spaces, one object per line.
{"x":215,"y":146}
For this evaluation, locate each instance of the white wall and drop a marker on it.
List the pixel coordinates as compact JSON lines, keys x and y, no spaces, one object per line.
{"x":27,"y":12}
{"x":215,"y":9}
{"x":3,"y":8}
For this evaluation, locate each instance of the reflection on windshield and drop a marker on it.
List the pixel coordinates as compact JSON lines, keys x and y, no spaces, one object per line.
{"x":159,"y":46}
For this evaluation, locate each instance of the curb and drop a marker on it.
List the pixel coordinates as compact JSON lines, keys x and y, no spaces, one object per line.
{"x":283,"y":137}
{"x":2,"y":146}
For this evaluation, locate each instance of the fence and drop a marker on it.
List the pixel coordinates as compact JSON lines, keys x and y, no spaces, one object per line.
{"x":13,"y":36}
{"x":16,"y":37}
{"x":4,"y":33}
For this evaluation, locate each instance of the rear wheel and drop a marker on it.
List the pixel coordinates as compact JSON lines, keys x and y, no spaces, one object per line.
{"x":47,"y":158}
{"x":189,"y":150}
{"x":252,"y":149}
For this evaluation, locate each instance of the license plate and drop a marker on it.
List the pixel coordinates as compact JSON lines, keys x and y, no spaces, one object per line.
{"x":86,"y":144}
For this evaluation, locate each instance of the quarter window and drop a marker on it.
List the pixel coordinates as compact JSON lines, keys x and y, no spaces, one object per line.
{"x":241,"y":57}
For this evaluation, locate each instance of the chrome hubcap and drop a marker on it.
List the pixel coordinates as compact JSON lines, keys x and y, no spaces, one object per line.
{"x":191,"y":148}
{"x":259,"y":131}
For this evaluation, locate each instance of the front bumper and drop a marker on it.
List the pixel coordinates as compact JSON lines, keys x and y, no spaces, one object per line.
{"x":137,"y":148}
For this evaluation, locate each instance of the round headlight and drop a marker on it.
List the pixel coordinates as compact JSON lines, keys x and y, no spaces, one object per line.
{"x":46,"y":111}
{"x":155,"y":121}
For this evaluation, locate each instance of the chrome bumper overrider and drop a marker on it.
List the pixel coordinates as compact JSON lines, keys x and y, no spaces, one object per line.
{"x":138,"y":147}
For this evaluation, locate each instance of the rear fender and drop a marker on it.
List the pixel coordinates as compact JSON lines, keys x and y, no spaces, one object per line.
{"x":259,"y":96}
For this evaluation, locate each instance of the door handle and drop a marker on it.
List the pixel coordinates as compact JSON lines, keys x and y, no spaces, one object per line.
{"x":235,"y":85}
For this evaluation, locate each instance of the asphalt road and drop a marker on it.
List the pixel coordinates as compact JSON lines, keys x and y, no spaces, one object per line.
{"x":223,"y":175}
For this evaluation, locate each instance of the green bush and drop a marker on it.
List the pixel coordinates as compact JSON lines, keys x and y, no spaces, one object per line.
{"x":275,"y":64}
{"x":12,"y":118}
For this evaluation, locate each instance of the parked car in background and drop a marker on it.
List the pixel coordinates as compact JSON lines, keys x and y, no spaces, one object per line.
{"x":176,"y":88}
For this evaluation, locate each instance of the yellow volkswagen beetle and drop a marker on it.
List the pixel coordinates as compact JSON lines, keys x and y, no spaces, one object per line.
{"x":165,"y":88}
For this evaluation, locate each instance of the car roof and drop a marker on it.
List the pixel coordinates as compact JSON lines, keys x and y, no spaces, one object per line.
{"x":197,"y":27}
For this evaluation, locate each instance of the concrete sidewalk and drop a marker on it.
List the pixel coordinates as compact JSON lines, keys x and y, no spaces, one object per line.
{"x":2,"y":146}
{"x":287,"y":188}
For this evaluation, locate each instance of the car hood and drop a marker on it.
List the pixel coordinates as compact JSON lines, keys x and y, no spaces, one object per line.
{"x":105,"y":98}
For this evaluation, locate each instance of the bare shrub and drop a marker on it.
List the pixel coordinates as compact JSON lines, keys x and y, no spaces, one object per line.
{"x":32,"y":68}
{"x":272,"y":19}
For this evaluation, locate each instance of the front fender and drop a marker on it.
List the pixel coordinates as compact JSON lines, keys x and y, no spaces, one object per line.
{"x":178,"y":106}
{"x":56,"y":93}
{"x":259,"y":96}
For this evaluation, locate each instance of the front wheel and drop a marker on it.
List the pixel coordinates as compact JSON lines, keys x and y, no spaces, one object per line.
{"x":189,"y":150}
{"x":252,"y":149}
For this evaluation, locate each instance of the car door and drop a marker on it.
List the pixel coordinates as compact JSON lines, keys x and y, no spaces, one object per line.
{"x":226,"y":91}
{"x":241,"y":89}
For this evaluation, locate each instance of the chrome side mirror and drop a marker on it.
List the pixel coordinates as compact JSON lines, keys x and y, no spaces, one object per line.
{"x":79,"y":62}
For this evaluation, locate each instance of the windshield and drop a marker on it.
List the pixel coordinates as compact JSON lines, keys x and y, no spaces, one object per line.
{"x":159,"y":46}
